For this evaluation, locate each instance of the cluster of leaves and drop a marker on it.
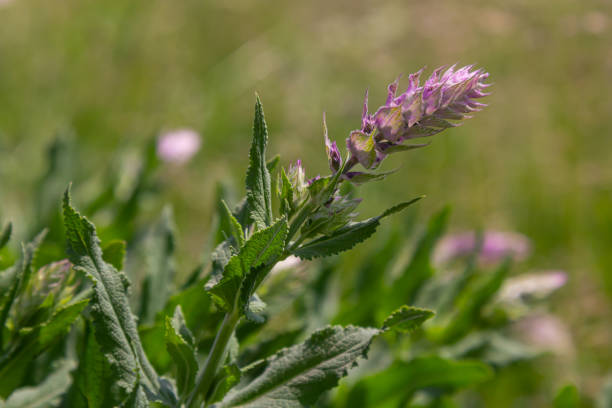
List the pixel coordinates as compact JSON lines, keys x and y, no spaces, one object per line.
{"x":69,"y":336}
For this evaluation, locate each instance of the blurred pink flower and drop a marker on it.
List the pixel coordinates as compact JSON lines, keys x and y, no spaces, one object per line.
{"x":178,"y":146}
{"x":496,"y":246}
{"x":546,"y":332}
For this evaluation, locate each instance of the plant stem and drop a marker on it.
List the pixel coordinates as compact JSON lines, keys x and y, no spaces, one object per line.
{"x":214,"y":359}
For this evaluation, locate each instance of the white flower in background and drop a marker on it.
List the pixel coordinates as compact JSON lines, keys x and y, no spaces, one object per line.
{"x":289,"y":263}
{"x":533,"y":285}
{"x":178,"y":146}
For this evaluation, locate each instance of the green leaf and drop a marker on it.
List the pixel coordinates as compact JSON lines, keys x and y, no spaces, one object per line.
{"x":263,"y":247}
{"x":285,"y":194}
{"x":114,"y":324}
{"x":5,"y":235}
{"x":259,"y":193}
{"x":567,"y":397}
{"x":23,"y":271}
{"x":402,"y":148}
{"x":114,"y":253}
{"x":297,"y":376}
{"x":419,"y":269}
{"x":348,"y":236}
{"x":234,"y":228}
{"x":407,"y":318}
{"x":32,"y":341}
{"x":59,"y":324}
{"x":402,"y":379}
{"x":45,"y":394}
{"x":159,"y":278}
{"x":229,"y":376}
{"x":180,"y":345}
{"x":94,"y":377}
{"x":471,"y":304}
{"x":273,"y":163}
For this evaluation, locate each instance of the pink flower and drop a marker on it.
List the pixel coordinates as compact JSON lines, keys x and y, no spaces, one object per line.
{"x":420,"y":111}
{"x":496,"y":246}
{"x":178,"y":146}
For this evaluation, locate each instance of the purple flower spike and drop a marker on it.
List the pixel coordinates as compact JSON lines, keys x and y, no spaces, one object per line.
{"x":420,"y":111}
{"x":333,"y":154}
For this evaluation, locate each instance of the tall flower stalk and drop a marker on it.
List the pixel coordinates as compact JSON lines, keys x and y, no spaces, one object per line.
{"x":316,"y":217}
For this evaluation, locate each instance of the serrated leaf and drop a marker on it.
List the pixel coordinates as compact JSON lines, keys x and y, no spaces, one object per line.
{"x":407,"y":318}
{"x":5,"y":235}
{"x":567,"y":397}
{"x":341,"y":240}
{"x":400,"y":207}
{"x":263,"y":247}
{"x":259,"y":193}
{"x":346,"y":237}
{"x":47,"y":393}
{"x":159,"y":278}
{"x":114,"y":253}
{"x":402,"y":379}
{"x":180,"y":345}
{"x":297,"y":376}
{"x":114,"y":324}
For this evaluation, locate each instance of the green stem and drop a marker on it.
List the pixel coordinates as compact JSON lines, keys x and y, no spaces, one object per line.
{"x":214,"y":359}
{"x":298,"y":221}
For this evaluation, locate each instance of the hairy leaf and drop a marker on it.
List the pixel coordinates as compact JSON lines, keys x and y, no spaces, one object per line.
{"x":297,"y":376}
{"x":407,"y":318}
{"x":262,"y":248}
{"x":114,"y":324}
{"x":348,"y":236}
{"x":259,"y":193}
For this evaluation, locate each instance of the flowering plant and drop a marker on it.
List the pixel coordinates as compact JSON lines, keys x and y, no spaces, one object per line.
{"x":69,"y":338}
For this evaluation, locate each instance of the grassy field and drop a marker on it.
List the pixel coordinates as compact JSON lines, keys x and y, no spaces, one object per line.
{"x":537,"y":160}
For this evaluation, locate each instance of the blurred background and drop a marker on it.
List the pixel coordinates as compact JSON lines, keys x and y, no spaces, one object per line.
{"x":110,"y":76}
